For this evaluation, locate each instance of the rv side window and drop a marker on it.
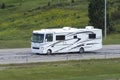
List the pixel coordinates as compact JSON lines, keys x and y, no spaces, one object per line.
{"x":75,"y":36}
{"x":49,"y":37}
{"x":92,"y":36}
{"x":60,"y":37}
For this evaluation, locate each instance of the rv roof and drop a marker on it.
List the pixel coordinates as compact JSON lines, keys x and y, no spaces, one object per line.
{"x":59,"y":30}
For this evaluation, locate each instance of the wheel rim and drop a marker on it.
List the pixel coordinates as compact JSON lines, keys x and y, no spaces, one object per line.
{"x":81,"y":50}
{"x":49,"y":51}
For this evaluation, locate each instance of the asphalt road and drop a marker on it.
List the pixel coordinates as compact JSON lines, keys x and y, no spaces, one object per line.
{"x":24,"y":55}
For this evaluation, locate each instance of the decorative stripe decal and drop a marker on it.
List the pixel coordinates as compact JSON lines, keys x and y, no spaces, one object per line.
{"x":68,"y":46}
{"x":77,"y":46}
{"x":80,"y":44}
{"x":88,"y":32}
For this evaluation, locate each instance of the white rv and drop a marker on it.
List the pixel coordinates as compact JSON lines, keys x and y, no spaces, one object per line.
{"x":65,"y":40}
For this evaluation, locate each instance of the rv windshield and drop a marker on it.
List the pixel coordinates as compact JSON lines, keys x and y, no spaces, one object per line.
{"x":37,"y":38}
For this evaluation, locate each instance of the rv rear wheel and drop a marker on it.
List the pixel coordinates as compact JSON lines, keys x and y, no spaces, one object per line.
{"x":81,"y":50}
{"x":49,"y":51}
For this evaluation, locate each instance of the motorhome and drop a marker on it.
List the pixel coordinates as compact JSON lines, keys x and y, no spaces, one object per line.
{"x":66,"y":40}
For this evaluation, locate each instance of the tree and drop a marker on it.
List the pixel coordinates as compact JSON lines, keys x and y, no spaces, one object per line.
{"x":72,"y":1}
{"x":96,"y":14}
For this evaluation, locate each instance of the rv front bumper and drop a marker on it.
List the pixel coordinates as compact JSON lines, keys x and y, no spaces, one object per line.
{"x":37,"y":50}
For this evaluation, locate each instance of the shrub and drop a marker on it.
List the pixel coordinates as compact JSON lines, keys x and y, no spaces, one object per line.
{"x":116,"y":15}
{"x":72,"y":1}
{"x":49,"y":4}
{"x":3,"y":6}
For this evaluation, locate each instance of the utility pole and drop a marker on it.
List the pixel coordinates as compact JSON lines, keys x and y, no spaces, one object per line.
{"x":105,"y":23}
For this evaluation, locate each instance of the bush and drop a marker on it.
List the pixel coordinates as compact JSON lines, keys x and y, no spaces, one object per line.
{"x":116,"y":15}
{"x":72,"y":1}
{"x":49,"y":4}
{"x":3,"y":6}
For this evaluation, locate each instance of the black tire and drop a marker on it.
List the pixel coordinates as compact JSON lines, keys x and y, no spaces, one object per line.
{"x":37,"y":53}
{"x":49,"y":51}
{"x":81,"y":50}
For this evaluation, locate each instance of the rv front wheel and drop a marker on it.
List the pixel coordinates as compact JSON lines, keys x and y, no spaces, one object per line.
{"x":49,"y":51}
{"x":81,"y":50}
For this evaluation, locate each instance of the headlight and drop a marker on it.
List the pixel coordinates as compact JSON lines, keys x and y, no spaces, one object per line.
{"x":41,"y":48}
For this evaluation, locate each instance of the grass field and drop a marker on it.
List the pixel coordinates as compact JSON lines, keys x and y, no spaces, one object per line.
{"x":67,"y":70}
{"x":15,"y":44}
{"x":18,"y":21}
{"x":21,"y":17}
{"x":112,"y":39}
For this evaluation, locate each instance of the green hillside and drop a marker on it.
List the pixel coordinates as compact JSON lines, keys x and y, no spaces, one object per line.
{"x":18,"y":18}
